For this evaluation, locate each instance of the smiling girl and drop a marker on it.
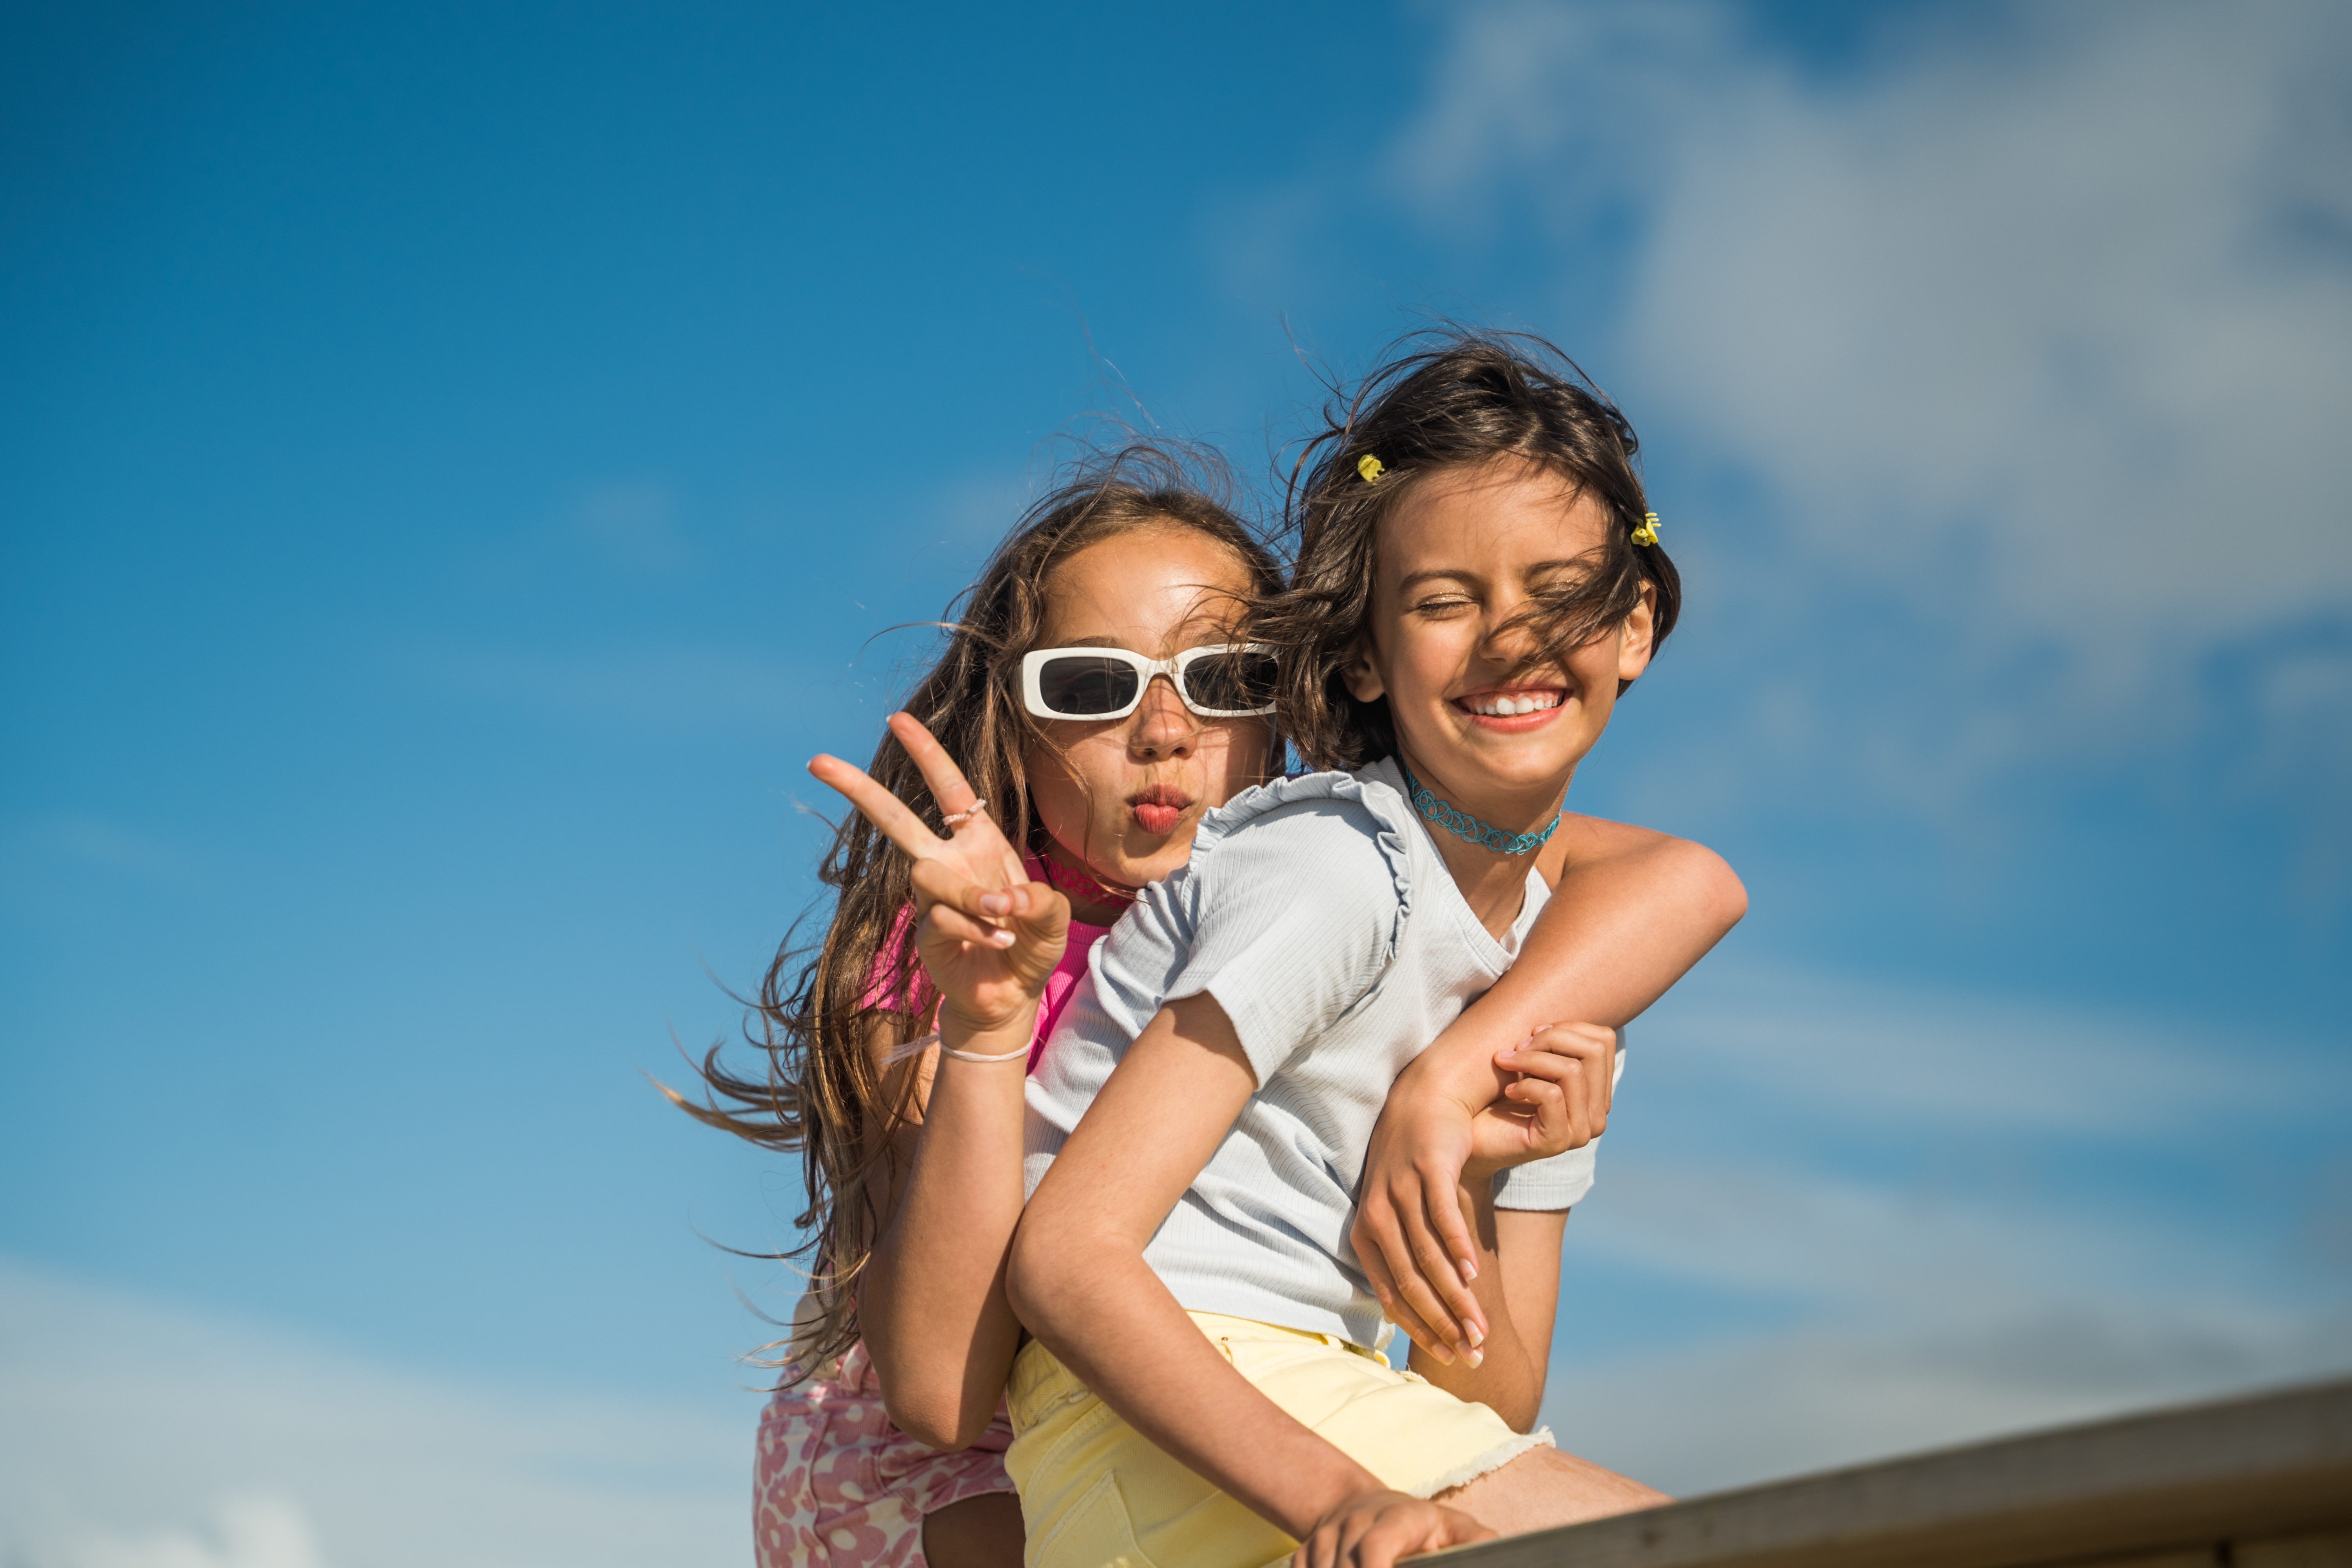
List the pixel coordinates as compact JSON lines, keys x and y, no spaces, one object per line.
{"x":1478,"y":583}
{"x":1098,"y":696}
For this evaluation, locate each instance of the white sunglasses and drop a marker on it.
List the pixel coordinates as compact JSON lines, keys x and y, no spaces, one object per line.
{"x":1229,"y":681}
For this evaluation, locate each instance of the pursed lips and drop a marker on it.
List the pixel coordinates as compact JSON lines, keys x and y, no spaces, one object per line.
{"x":1160,"y":808}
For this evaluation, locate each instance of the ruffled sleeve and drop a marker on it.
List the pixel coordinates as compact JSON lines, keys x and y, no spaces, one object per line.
{"x":1295,"y":897}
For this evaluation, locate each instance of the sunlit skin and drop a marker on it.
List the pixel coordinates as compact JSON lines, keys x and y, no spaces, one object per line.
{"x":1463,"y":555}
{"x":1132,"y":790}
{"x":1457,"y":560}
{"x":1130,"y":793}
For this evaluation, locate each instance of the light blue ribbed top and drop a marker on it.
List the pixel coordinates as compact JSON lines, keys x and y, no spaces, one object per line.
{"x":1319,"y":913}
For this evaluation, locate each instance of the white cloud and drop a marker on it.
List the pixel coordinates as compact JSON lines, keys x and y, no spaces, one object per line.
{"x":2086,"y":287}
{"x":1732,"y":1414}
{"x":142,"y":1436}
{"x":1865,"y":1053}
{"x":256,"y":1532}
{"x":1940,"y":1217}
{"x":2040,"y":324}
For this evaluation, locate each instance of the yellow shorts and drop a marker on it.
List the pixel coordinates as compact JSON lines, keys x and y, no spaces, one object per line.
{"x":1095,"y":1493}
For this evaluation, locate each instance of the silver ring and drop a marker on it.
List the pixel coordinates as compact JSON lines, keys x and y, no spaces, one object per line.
{"x":955,"y":819}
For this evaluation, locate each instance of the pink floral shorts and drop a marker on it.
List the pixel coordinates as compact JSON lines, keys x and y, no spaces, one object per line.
{"x":837,"y":1484}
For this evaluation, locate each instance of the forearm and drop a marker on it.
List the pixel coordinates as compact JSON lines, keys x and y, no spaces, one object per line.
{"x":1511,"y":1257}
{"x":1078,"y":1279}
{"x":1099,"y":1315}
{"x":1630,"y":915}
{"x":932,"y":1305}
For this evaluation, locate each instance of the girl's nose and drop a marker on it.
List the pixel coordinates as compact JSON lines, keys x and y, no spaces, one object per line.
{"x":1163,"y":726}
{"x":1508,"y":639}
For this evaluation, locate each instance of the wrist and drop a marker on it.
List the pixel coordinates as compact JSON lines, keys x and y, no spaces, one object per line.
{"x":986,"y":1035}
{"x":1485,"y":1168}
{"x":1348,"y":1482}
{"x":1449,"y":1075}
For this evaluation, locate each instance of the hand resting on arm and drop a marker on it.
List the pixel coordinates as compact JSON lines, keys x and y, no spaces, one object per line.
{"x":1630,"y":913}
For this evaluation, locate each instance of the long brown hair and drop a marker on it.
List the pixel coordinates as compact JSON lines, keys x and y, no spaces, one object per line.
{"x":818,"y":1091}
{"x":1446,"y":399}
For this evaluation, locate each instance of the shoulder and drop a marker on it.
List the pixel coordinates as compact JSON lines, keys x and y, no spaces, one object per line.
{"x":1330,"y":840}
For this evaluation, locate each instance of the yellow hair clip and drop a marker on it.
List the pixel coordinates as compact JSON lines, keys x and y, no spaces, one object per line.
{"x":1648,"y":533}
{"x":1370,"y":467}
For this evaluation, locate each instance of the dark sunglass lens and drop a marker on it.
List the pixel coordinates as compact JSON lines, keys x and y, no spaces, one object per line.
{"x":1231,"y":682}
{"x":1075,"y":683}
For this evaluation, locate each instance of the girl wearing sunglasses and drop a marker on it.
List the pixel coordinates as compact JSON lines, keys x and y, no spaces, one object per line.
{"x":1096,"y":696}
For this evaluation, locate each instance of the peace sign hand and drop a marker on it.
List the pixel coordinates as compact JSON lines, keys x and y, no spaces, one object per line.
{"x":988,"y":936}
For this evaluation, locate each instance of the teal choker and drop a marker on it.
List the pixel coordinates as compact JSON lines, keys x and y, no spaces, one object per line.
{"x":1461,"y":825}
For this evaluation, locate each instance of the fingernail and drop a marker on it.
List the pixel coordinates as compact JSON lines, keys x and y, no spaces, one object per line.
{"x":1469,"y":1269}
{"x":1477,"y":1358}
{"x":1000,"y":938}
{"x":995,"y":903}
{"x":1445,"y":1357}
{"x":1477,"y":1335}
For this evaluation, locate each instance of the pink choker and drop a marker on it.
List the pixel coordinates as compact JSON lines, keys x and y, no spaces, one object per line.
{"x":1079,"y":884}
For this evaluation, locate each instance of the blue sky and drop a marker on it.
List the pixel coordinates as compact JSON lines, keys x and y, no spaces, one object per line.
{"x":457,"y":464}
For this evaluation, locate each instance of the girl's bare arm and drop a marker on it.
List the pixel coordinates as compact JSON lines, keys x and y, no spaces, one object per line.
{"x":1078,"y":1279}
{"x":1518,"y":1289}
{"x":1629,"y":915}
{"x":932,"y":1304}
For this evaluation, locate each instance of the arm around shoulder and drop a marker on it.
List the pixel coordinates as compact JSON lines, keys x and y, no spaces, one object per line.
{"x":1629,"y":915}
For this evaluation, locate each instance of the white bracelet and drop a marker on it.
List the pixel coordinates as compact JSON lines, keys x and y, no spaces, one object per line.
{"x":914,"y":1048}
{"x":976,"y":1056}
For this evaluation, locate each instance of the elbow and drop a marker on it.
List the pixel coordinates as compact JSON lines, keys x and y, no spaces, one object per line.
{"x":923,"y":1396}
{"x":1732,"y":897}
{"x":1714,"y":890}
{"x":1020,"y":1276}
{"x":930,"y":1419}
{"x":1033,"y":1286}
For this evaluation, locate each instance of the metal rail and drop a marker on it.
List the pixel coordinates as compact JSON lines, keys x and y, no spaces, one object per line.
{"x":2258,"y":1482}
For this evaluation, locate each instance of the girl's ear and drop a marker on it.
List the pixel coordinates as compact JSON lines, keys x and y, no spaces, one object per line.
{"x":1637,"y":636}
{"x":1364,"y":683}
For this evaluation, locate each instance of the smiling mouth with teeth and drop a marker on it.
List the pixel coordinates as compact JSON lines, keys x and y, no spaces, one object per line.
{"x":1509,"y":705}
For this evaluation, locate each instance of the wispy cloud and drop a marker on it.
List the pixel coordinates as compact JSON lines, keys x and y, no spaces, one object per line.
{"x":1872,"y":1053}
{"x":142,"y":1436}
{"x":1705,"y":1417}
{"x":1942,"y":1215}
{"x":2035,"y":329}
{"x":245,"y":1532}
{"x":2080,"y":285}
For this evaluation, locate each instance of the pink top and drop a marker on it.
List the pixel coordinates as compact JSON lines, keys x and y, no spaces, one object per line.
{"x":1063,"y":984}
{"x":1060,"y":986}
